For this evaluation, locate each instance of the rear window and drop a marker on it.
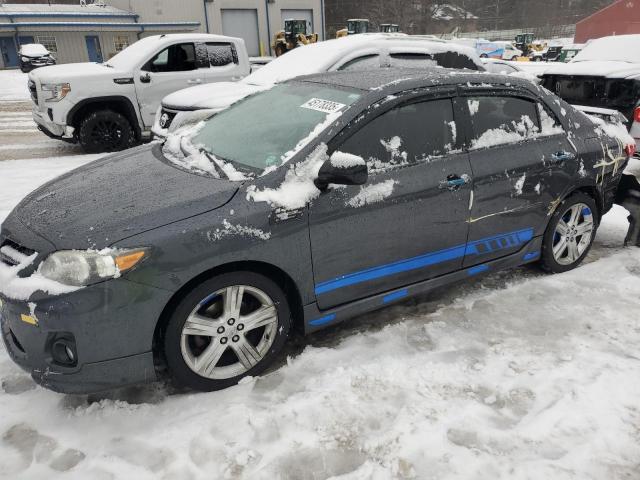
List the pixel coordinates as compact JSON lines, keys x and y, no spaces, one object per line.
{"x":362,"y":63}
{"x":499,"y":120}
{"x":221,"y":54}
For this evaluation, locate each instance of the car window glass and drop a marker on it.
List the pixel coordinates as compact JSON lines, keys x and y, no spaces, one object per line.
{"x":412,"y":60}
{"x":221,"y":54}
{"x":176,"y":58}
{"x":362,"y":63}
{"x":407,"y":133}
{"x":454,"y":60}
{"x":501,"y":68}
{"x":549,"y":123}
{"x":498,"y":120}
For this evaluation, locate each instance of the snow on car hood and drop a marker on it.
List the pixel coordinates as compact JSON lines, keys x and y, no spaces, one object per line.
{"x":118,"y":196}
{"x":69,"y":71}
{"x":600,"y":68}
{"x":215,"y":96}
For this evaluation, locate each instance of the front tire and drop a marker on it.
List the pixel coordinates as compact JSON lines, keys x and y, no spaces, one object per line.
{"x":227,"y":328}
{"x":570,"y":233}
{"x":106,"y":131}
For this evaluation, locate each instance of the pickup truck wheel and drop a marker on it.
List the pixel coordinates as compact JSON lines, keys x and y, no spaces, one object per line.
{"x":228,"y":327}
{"x":570,"y":233}
{"x":105,"y":131}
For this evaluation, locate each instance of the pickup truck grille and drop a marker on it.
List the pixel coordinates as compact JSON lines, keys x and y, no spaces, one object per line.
{"x":13,"y":254}
{"x":34,"y":91}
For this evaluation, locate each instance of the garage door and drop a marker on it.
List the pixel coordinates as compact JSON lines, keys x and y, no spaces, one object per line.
{"x":242,"y":23}
{"x":298,"y":15}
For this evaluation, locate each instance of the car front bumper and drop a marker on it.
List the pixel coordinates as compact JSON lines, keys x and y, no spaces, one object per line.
{"x":109,"y":328}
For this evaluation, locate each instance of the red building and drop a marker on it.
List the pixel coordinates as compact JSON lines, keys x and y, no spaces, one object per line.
{"x":620,"y":18}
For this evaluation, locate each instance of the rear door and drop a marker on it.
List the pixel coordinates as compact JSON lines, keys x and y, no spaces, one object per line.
{"x":407,"y":223}
{"x":175,"y":67}
{"x":521,"y":162}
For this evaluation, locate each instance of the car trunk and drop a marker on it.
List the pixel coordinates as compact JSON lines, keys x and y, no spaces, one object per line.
{"x":593,"y":91}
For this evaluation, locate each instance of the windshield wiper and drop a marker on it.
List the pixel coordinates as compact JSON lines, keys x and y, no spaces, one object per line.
{"x":214,"y":162}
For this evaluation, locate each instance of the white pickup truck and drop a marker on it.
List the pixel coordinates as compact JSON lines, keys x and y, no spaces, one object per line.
{"x":111,"y":106}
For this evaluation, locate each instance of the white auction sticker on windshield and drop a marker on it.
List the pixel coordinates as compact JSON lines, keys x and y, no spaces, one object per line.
{"x":320,"y":105}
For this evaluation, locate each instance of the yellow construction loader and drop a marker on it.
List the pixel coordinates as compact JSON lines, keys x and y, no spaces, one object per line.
{"x":294,"y":35}
{"x":354,"y":25}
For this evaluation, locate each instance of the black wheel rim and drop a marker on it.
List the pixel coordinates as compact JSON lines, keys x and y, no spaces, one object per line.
{"x":107,"y":133}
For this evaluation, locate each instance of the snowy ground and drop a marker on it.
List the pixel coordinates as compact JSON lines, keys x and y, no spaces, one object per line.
{"x":518,"y":375}
{"x":13,"y":85}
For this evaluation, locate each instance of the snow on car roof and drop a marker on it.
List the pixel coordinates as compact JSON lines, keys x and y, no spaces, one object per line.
{"x":33,"y":50}
{"x":321,"y":56}
{"x":388,"y":79}
{"x":619,"y":48}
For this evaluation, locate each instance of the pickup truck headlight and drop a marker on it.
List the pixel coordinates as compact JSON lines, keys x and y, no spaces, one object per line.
{"x":54,"y":92}
{"x":25,"y":59}
{"x":81,"y":268}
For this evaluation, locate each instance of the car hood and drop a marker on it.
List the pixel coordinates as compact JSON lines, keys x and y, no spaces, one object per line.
{"x":596,"y":69}
{"x":70,"y":71}
{"x":214,"y":96}
{"x":119,"y":196}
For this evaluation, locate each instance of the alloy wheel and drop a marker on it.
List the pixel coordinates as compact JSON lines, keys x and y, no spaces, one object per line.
{"x":229,"y":332}
{"x":573,"y":234}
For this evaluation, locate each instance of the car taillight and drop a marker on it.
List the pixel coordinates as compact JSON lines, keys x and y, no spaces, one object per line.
{"x":636,"y":114}
{"x":630,"y":149}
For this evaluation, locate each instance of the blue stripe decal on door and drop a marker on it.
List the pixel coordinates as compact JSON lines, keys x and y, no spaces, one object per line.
{"x":477,"y":247}
{"x":395,"y":296}
{"x":323,"y":320}
{"x":477,"y":269}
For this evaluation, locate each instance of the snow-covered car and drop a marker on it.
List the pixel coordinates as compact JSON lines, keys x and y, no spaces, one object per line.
{"x":355,"y":52}
{"x":605,"y":74}
{"x":34,"y":55}
{"x":111,"y":106}
{"x":505,"y":67}
{"x":320,"y":199}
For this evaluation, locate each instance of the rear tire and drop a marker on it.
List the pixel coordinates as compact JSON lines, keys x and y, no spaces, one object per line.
{"x":570,"y":233}
{"x":229,"y":327}
{"x":105,"y":131}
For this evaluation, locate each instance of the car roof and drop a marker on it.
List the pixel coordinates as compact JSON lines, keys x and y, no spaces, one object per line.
{"x":390,"y":80}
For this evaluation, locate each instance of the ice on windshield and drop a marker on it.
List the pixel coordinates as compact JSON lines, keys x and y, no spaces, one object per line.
{"x":269,"y":128}
{"x":621,"y":48}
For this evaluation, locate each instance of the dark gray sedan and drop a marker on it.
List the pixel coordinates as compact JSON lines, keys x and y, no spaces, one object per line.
{"x":302,"y":206}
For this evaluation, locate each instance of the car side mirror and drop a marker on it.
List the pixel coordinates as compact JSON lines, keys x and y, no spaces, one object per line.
{"x":145,"y":78}
{"x":342,"y":169}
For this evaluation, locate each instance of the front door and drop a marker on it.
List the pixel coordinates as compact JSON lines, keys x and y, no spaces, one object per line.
{"x":174,"y":68}
{"x":519,"y":156}
{"x":407,"y":223}
{"x":93,"y":49}
{"x":8,"y":52}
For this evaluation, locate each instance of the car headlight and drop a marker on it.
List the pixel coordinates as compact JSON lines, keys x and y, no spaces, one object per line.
{"x":80,"y":268}
{"x":25,"y":59}
{"x":55,"y":91}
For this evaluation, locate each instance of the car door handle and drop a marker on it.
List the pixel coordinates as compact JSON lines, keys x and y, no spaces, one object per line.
{"x":454,"y":182}
{"x":562,"y":156}
{"x":194,"y":81}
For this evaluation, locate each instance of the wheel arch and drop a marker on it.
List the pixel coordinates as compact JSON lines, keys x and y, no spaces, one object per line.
{"x":117,"y":103}
{"x":593,"y":192}
{"x":282,"y":278}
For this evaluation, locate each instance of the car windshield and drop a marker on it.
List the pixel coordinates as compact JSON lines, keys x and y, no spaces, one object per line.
{"x":622,"y":48}
{"x":268,"y":128}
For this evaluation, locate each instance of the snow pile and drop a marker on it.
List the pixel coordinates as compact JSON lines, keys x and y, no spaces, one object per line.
{"x":243,"y":230}
{"x":393,"y":146}
{"x":447,"y":12}
{"x":345,"y":160}
{"x":14,"y":86}
{"x":520,"y":184}
{"x":298,"y":187}
{"x":372,"y":193}
{"x":179,"y":150}
{"x":474,"y":106}
{"x":547,"y":123}
{"x":619,"y":48}
{"x":18,"y":288}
